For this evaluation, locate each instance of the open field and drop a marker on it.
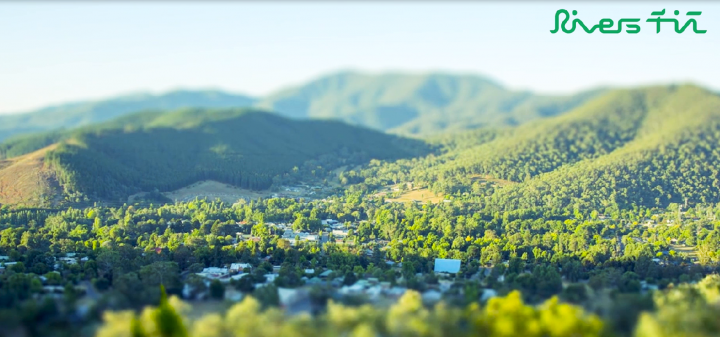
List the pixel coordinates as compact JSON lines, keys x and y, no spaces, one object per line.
{"x":422,"y":195}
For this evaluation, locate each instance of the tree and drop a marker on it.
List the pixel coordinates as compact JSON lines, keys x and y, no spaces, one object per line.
{"x":217,"y":290}
{"x":161,"y":273}
{"x":350,"y":278}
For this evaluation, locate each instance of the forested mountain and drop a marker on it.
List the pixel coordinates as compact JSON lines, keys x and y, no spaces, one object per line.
{"x":417,"y":104}
{"x":165,"y":151}
{"x":410,"y":104}
{"x":664,"y":150}
{"x":85,"y":113}
{"x":648,"y":146}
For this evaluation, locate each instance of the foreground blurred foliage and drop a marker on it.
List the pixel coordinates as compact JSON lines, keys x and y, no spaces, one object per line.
{"x":502,"y":316}
{"x":684,"y":310}
{"x":687,"y":310}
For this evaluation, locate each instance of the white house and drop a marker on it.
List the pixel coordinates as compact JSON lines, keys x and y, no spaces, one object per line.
{"x":234,"y":267}
{"x":213,"y":272}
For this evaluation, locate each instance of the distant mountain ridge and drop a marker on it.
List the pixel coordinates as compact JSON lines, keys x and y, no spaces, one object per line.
{"x":402,"y":103}
{"x":77,"y":114}
{"x":417,"y":104}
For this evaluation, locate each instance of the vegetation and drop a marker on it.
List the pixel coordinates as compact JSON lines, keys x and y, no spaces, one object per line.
{"x":649,"y":147}
{"x":602,"y":221}
{"x":507,"y":316}
{"x":166,"y":151}
{"x":417,"y":104}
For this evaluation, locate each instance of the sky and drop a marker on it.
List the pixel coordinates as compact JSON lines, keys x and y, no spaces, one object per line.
{"x":53,"y":53}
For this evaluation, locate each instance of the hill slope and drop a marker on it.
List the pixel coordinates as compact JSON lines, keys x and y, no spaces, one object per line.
{"x":647,"y":146}
{"x":85,"y":113}
{"x":166,"y":151}
{"x":416,"y":104}
{"x":27,"y":180}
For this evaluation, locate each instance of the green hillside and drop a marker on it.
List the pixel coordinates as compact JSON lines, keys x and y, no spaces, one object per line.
{"x":166,"y":151}
{"x":648,"y":146}
{"x":672,"y":156}
{"x":416,"y":104}
{"x":86,"y":113}
{"x":239,"y":147}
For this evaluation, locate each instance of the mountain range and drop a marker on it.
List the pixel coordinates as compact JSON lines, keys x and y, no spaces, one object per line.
{"x":604,"y":149}
{"x":406,"y":104}
{"x":77,"y":114}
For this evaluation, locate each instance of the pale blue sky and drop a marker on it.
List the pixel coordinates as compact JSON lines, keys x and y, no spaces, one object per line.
{"x":53,"y":53}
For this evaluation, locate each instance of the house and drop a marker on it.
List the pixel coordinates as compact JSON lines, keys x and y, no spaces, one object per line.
{"x":4,"y":258}
{"x":215,"y":270}
{"x":236,"y":267}
{"x":69,"y":260}
{"x":340,"y":232}
{"x":213,"y":273}
{"x":325,"y":274}
{"x":309,"y":271}
{"x":235,"y":277}
{"x":269,"y":278}
{"x":450,"y":266}
{"x":314,"y":280}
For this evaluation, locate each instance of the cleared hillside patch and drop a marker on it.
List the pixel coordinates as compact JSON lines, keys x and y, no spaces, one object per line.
{"x":27,"y":180}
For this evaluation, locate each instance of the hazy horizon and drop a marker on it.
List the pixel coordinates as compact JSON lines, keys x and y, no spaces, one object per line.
{"x":69,"y":52}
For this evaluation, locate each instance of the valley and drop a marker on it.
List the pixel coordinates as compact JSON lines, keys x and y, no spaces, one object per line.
{"x":600,"y":211}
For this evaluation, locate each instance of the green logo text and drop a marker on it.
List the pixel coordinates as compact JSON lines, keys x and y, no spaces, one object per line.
{"x":607,"y":26}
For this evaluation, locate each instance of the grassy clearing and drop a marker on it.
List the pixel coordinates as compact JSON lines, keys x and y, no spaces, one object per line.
{"x":422,"y":195}
{"x":26,"y":180}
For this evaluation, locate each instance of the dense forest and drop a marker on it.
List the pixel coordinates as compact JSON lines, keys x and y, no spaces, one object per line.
{"x":649,"y":146}
{"x":245,"y":149}
{"x":164,"y":151}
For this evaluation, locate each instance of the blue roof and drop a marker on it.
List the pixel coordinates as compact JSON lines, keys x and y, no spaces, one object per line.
{"x":447,"y":266}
